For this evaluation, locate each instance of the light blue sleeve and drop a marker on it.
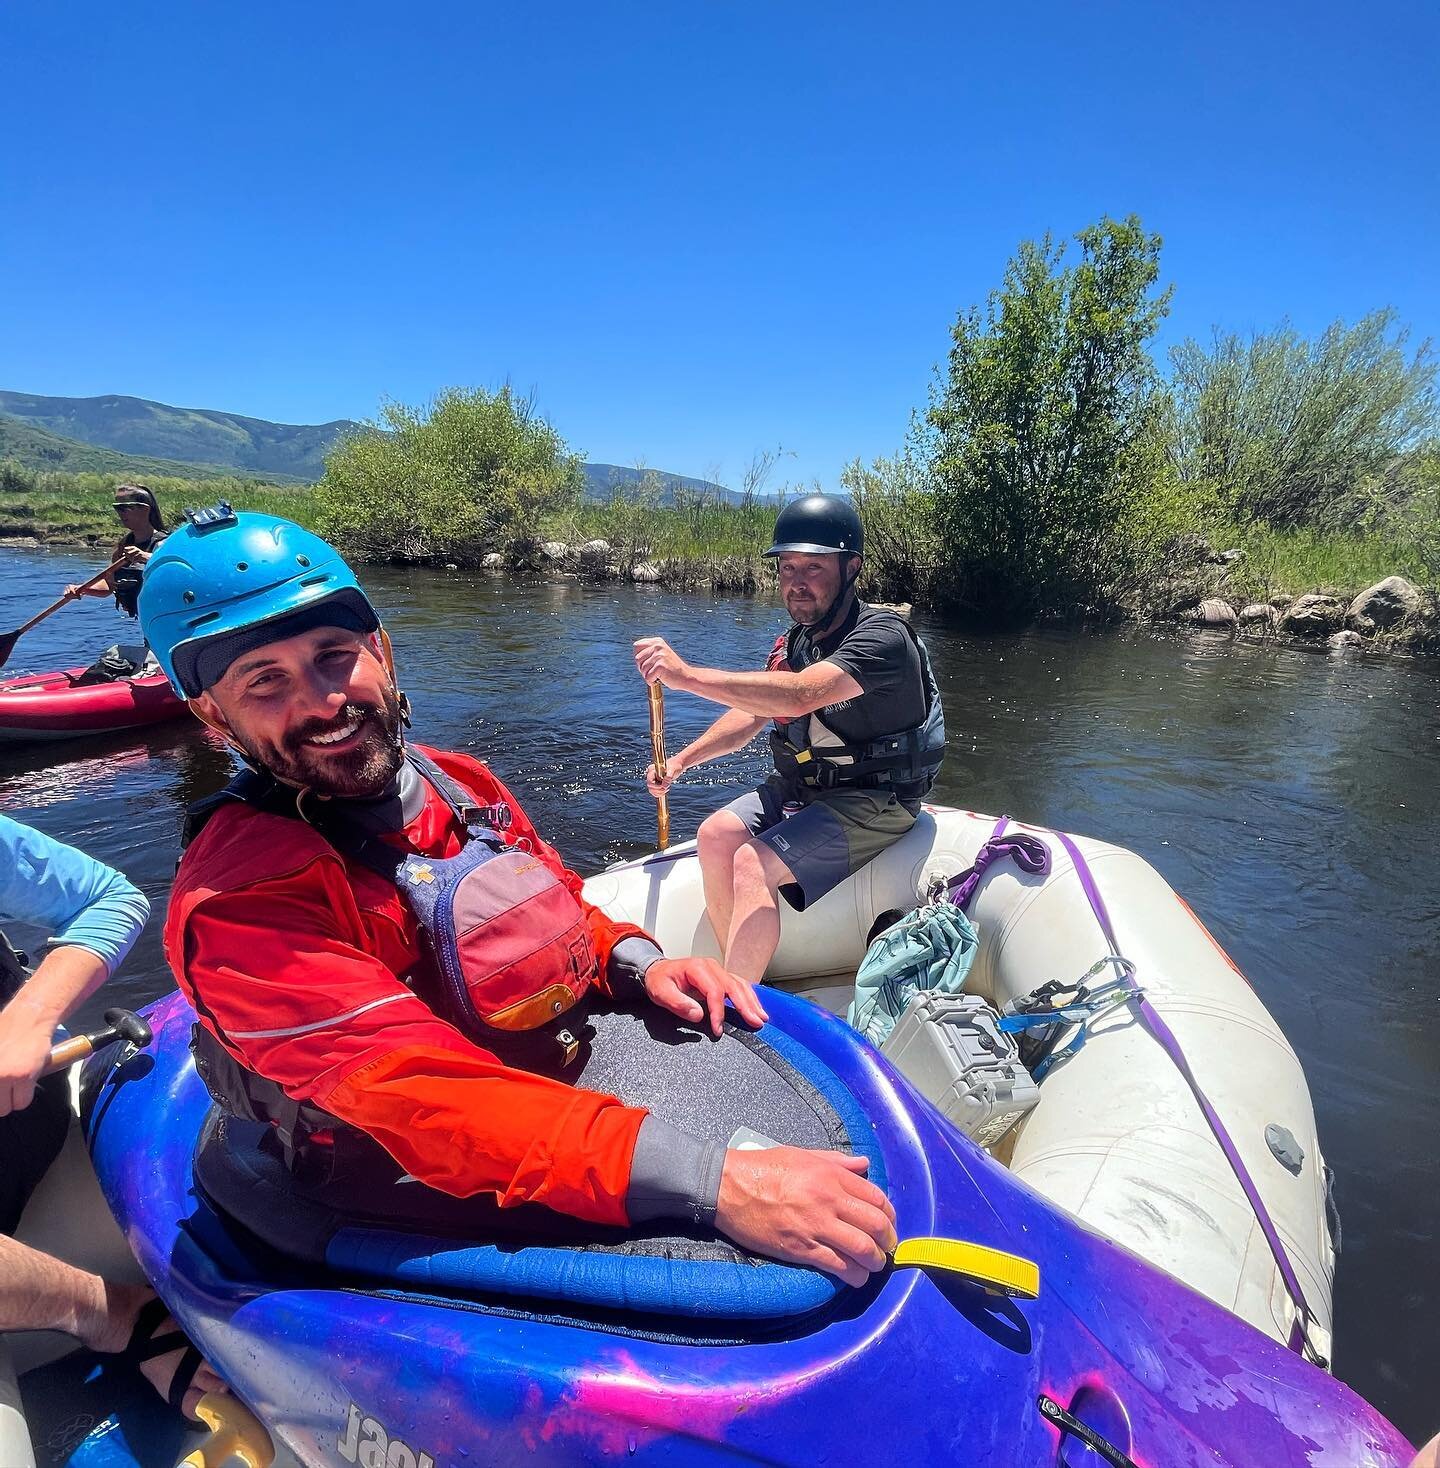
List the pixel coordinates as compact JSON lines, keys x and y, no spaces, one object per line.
{"x":82,"y":901}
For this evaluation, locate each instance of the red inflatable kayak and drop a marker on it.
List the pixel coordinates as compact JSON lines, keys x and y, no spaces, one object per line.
{"x":43,"y":706}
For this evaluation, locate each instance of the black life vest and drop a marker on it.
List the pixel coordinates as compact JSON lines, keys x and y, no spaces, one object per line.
{"x":14,"y":970}
{"x":907,"y":761}
{"x":128,"y":577}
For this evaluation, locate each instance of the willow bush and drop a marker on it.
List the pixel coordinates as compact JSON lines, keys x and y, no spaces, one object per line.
{"x":897,"y":508}
{"x":1051,"y":491}
{"x":466,"y":473}
{"x":1290,"y":432}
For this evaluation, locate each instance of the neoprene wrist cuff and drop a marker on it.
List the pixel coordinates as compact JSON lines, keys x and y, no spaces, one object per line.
{"x":630,"y":959}
{"x":673,"y":1174}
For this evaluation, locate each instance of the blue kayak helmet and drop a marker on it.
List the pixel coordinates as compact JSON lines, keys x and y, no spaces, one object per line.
{"x":221,"y":577}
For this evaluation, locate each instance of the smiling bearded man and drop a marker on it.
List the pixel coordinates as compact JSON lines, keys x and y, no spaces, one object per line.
{"x":334,"y":1005}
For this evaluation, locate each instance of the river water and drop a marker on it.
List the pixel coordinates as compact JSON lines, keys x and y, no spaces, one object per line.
{"x":1293,"y":798}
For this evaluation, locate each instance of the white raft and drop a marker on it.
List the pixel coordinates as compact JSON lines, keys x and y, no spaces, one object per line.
{"x":1117,"y":1138}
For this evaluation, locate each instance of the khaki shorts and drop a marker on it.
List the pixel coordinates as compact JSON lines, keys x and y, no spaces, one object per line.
{"x":836,"y":833}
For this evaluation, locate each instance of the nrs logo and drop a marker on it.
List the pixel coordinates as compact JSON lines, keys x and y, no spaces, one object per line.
{"x":367,"y":1444}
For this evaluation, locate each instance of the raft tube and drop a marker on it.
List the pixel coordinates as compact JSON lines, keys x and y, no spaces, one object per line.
{"x":40,"y":707}
{"x":1118,"y":1138}
{"x":384,"y":1358}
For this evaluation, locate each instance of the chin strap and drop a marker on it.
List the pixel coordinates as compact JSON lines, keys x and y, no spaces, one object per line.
{"x":388,"y":658}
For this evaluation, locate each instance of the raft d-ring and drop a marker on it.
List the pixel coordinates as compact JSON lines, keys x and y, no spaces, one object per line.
{"x":1005,"y":1274}
{"x":235,"y":1435}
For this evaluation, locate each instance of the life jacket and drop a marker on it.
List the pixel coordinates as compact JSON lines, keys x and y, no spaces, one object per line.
{"x":128,"y":577}
{"x":510,"y":948}
{"x":907,"y":761}
{"x":14,"y":970}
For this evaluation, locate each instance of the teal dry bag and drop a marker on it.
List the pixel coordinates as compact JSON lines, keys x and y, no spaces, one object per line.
{"x":931,"y":948}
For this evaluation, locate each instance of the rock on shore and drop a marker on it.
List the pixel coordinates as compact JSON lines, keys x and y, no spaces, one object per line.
{"x":1385,"y":605}
{"x":1313,"y":615}
{"x":1391,"y":614}
{"x":1214,"y":611}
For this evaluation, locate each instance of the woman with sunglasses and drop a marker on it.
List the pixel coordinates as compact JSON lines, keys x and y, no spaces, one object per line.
{"x":139,"y":512}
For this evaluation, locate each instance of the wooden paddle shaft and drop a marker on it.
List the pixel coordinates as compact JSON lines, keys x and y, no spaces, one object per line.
{"x":657,"y":750}
{"x":67,"y":1052}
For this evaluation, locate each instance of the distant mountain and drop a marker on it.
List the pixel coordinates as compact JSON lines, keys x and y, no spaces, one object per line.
{"x":37,"y":449}
{"x":124,"y":435}
{"x":603,"y":480}
{"x":226,"y":442}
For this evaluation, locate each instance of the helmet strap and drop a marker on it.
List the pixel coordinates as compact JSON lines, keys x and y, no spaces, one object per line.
{"x":219,"y":729}
{"x":388,"y":656}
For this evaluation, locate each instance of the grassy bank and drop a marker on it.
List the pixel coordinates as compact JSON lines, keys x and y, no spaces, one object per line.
{"x":76,"y":508}
{"x":1291,"y":562}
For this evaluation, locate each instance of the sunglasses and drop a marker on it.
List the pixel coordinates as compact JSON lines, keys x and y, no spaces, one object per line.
{"x":120,"y":509}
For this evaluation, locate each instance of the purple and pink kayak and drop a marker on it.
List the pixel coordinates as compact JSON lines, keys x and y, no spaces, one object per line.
{"x":40,"y":707}
{"x":359,"y":1345}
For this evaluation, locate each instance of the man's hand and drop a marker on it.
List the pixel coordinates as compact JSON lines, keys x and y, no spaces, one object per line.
{"x":660,"y":663}
{"x":695,"y":987}
{"x":24,"y":1049}
{"x":805,"y":1207}
{"x":658,"y":787}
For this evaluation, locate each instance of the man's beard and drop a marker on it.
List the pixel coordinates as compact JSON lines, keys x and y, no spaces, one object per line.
{"x":813,"y":613}
{"x":362,"y":771}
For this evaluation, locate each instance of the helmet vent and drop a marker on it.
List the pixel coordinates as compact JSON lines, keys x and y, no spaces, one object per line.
{"x":318,"y":580}
{"x":189,"y":596}
{"x":242,"y":565}
{"x":302,"y":560}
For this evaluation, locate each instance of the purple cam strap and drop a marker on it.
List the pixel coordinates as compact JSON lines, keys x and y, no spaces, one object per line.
{"x":1030,"y":854}
{"x":1155,"y":1023}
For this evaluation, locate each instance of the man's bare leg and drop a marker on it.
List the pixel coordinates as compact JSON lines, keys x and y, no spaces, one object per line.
{"x":38,"y":1292}
{"x":720,"y":836}
{"x":755,"y":918}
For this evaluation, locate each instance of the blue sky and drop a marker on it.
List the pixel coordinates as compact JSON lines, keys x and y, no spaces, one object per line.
{"x":695,"y":229}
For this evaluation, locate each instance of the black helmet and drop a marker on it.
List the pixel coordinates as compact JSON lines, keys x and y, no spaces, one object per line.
{"x":821,"y":524}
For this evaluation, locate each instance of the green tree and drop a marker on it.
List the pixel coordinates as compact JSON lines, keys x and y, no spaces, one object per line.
{"x":896,"y":504}
{"x":1294,"y":432}
{"x":1048,"y":447}
{"x":450,"y":480}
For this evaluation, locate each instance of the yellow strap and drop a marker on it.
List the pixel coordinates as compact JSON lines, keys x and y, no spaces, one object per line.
{"x":1007,"y":1274}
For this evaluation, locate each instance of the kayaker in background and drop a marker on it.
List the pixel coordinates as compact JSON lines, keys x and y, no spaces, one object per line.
{"x":858,"y":735}
{"x":96,"y":916}
{"x":340,"y":1008}
{"x":139,"y":513}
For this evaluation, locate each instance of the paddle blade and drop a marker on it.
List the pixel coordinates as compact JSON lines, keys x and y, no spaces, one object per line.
{"x":7,"y":646}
